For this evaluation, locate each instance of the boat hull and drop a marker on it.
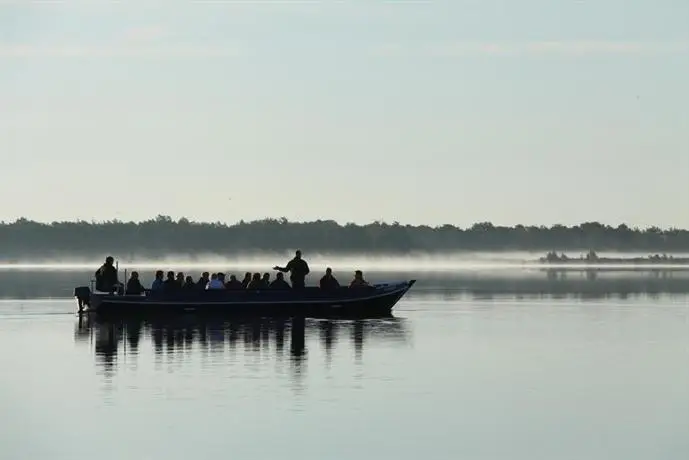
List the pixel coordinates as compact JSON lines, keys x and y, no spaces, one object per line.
{"x":376,"y":301}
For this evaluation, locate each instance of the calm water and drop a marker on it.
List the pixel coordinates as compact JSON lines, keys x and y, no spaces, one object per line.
{"x":476,"y":365}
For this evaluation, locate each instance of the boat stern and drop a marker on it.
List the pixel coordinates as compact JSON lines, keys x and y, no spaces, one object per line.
{"x":86,"y":300}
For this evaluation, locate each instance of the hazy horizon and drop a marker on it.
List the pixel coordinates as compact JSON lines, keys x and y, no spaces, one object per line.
{"x":264,"y":261}
{"x":511,"y":112}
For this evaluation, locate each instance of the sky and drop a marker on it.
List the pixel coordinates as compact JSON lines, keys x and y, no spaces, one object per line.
{"x":429,"y":112}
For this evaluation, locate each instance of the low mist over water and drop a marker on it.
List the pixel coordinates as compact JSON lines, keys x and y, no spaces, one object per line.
{"x":412,"y":262}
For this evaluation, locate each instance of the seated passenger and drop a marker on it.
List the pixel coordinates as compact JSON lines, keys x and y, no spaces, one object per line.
{"x":328,"y":281}
{"x":233,"y":283}
{"x":246,"y":280}
{"x":203,"y":281}
{"x":134,"y":286}
{"x":180,"y":279}
{"x":170,"y":283}
{"x":212,"y":279}
{"x":358,"y":280}
{"x":256,"y":282}
{"x":215,"y":283}
{"x":266,"y":280}
{"x":157,"y":284}
{"x":189,"y":283}
{"x":106,"y":277}
{"x":279,"y":282}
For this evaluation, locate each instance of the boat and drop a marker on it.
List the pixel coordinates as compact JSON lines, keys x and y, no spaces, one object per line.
{"x":376,"y":300}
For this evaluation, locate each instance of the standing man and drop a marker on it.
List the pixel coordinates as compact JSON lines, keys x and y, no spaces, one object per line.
{"x":298,"y":269}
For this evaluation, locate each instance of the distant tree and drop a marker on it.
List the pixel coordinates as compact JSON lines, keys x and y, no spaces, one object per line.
{"x":26,"y":239}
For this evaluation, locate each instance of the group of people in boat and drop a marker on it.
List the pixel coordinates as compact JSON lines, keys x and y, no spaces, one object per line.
{"x":298,"y":268}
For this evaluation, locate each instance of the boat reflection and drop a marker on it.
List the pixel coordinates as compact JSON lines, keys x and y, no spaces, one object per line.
{"x":262,"y":337}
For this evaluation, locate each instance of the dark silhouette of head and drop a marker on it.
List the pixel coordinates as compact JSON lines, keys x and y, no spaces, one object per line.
{"x":280,"y":276}
{"x":135,"y":275}
{"x":328,"y":271}
{"x":159,"y":275}
{"x":109,"y":260}
{"x":171,"y":275}
{"x":298,"y":254}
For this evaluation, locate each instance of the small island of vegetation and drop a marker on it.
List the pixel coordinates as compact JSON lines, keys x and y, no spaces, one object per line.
{"x":591,"y":258}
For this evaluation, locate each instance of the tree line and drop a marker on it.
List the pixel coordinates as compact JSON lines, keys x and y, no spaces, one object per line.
{"x":26,"y":239}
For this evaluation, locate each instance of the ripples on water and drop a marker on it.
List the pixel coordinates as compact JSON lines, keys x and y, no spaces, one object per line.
{"x":476,"y":365}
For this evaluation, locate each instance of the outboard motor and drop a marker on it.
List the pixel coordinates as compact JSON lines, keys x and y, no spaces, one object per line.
{"x":83,"y":295}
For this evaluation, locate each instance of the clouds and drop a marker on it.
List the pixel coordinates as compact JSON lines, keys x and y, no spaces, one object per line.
{"x":131,"y":41}
{"x":148,"y":42}
{"x":219,"y":29}
{"x":544,"y":48}
{"x":124,"y":50}
{"x":70,"y":51}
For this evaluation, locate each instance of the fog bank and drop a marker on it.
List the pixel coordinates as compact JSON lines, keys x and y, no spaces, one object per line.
{"x":265,"y":262}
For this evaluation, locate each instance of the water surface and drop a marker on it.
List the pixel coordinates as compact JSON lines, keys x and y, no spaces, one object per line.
{"x":475,"y":365}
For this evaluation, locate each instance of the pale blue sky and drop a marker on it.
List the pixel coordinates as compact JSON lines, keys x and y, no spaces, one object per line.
{"x":535,"y":112}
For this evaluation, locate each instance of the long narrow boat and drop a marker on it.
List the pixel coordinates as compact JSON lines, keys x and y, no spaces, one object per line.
{"x":374,"y":301}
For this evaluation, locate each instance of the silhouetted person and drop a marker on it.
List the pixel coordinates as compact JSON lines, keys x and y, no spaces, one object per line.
{"x":298,"y":269}
{"x":358,"y":280}
{"x":134,"y":286}
{"x":266,"y":280}
{"x":215,"y":283}
{"x":180,"y":279}
{"x":106,"y":276}
{"x":189,"y":283}
{"x":203,"y":281}
{"x":157,"y":284}
{"x":328,"y":281}
{"x":256,"y":282}
{"x":279,"y":282}
{"x":171,"y":284}
{"x":234,"y":283}
{"x":246,"y":280}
